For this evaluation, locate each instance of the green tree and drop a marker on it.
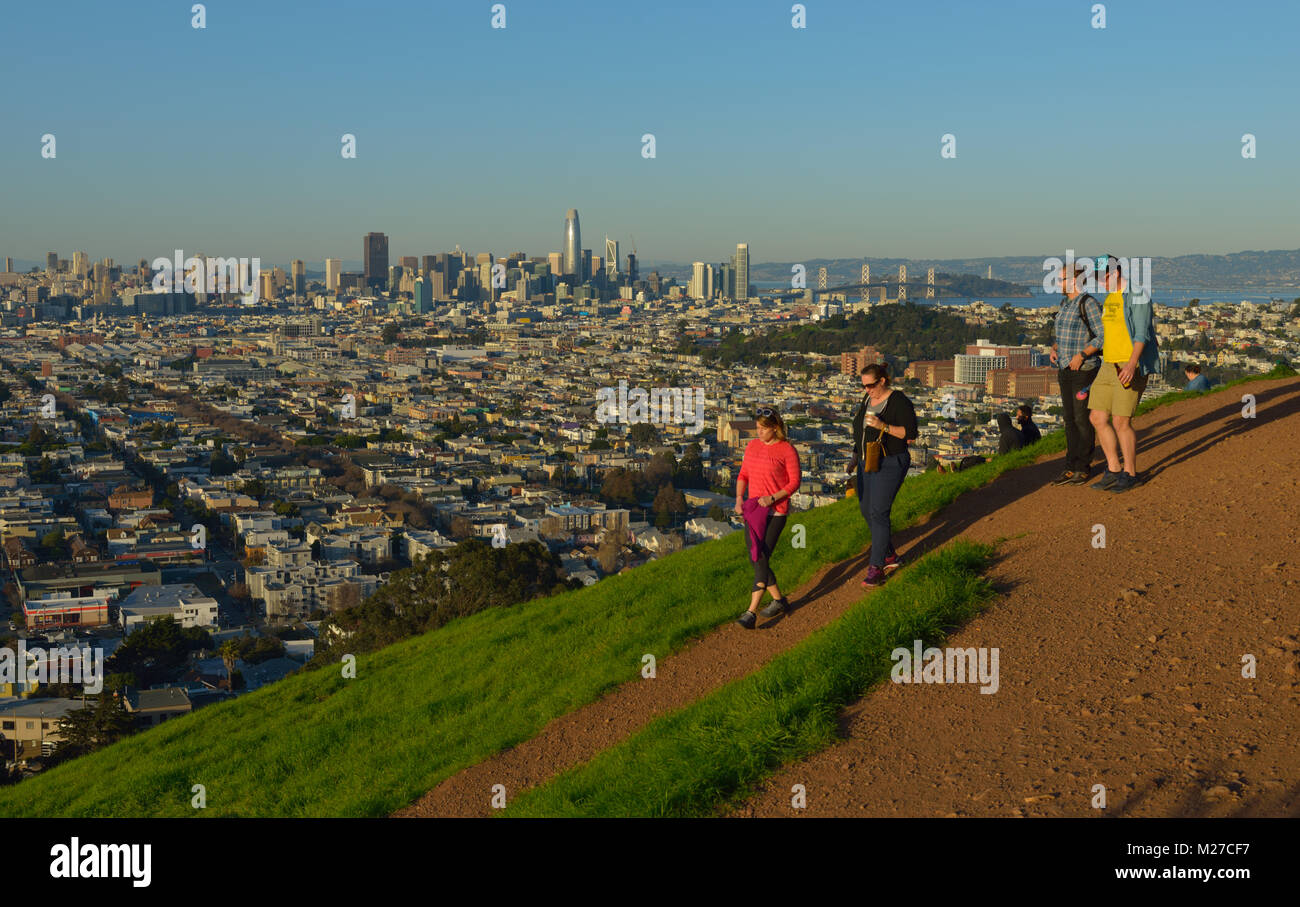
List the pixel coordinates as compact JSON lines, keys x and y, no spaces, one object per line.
{"x":643,"y":433}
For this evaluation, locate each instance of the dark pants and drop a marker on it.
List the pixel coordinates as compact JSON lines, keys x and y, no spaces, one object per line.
{"x":876,"y":492}
{"x":1011,"y":437}
{"x":763,"y":574}
{"x":1080,"y":437}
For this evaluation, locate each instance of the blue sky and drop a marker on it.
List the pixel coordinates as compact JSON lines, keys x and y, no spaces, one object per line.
{"x":821,"y":142}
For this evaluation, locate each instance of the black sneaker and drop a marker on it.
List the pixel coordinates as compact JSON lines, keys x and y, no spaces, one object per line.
{"x":1064,"y":478}
{"x":1080,"y":478}
{"x":1108,"y":479}
{"x":747,"y":620}
{"x":1123,"y":483}
{"x":776,"y":608}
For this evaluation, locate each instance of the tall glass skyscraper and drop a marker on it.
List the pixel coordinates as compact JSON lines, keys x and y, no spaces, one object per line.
{"x":572,"y":245}
{"x":742,"y":270}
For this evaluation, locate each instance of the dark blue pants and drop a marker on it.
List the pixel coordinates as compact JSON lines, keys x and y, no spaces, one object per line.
{"x":876,"y":493}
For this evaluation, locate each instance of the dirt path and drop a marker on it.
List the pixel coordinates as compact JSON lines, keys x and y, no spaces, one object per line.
{"x":1062,"y":558}
{"x":1119,"y":666}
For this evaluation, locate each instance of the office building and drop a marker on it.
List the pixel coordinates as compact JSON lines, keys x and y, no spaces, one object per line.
{"x":374,"y":259}
{"x":975,"y":369}
{"x":696,"y":288}
{"x":298,"y":269}
{"x":333,"y":267}
{"x":742,"y":271}
{"x":611,"y":261}
{"x":423,"y":295}
{"x":572,"y":247}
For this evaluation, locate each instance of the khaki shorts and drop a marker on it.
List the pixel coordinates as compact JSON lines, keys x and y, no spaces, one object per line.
{"x":1106,"y":393}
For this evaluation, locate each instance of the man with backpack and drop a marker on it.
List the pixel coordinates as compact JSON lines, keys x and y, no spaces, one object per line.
{"x":1076,"y":353}
{"x":1129,"y":356}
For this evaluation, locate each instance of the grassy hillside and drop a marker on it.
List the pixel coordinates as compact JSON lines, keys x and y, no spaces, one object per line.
{"x":316,"y":744}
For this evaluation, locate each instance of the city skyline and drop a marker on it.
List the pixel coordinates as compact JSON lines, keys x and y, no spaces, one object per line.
{"x":843,"y":157}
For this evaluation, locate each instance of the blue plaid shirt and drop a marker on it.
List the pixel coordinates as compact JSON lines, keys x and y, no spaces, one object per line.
{"x":1072,"y":333}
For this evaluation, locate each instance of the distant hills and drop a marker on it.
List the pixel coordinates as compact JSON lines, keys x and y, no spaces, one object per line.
{"x":1278,"y":268}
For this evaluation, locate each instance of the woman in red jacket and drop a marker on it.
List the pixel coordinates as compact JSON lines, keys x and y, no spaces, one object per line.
{"x":770,"y":472}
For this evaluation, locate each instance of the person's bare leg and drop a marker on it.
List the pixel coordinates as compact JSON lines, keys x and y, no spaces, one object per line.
{"x":1100,"y":420}
{"x":773,"y":591}
{"x":1128,"y":441}
{"x":756,"y":598}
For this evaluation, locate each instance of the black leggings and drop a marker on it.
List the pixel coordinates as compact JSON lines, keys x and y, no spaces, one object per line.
{"x":763,"y":575}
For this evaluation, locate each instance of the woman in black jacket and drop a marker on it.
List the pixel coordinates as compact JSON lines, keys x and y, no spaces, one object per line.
{"x":887,"y":415}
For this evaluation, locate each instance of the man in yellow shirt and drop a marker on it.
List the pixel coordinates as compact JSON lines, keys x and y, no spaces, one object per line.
{"x":1127,"y":333}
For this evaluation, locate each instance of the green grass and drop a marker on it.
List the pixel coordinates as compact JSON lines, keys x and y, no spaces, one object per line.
{"x":706,"y":754}
{"x":315,"y":744}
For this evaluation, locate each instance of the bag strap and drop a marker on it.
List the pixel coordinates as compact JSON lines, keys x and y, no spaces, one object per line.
{"x":1084,"y":315}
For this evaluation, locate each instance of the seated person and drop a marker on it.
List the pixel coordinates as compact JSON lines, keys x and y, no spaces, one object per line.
{"x":1195,"y":380}
{"x":1015,"y":438}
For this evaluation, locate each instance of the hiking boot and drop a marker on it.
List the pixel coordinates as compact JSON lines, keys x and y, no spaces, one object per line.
{"x":1065,"y":477}
{"x":1123,"y":483}
{"x":776,"y":608}
{"x":892,"y":563}
{"x":1080,"y":478}
{"x":747,"y":620}
{"x":1107,"y":480}
{"x":875,"y":577}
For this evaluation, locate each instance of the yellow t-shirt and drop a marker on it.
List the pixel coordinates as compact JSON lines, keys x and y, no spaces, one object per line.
{"x":1118,"y":344}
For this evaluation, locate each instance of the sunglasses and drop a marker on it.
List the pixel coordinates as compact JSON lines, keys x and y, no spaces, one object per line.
{"x":769,"y":413}
{"x":871,"y":385}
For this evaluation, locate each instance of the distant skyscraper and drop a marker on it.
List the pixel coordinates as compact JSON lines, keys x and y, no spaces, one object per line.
{"x":80,"y":263}
{"x":423,"y":295}
{"x":333,"y":267}
{"x":585,"y":269}
{"x":572,"y":247}
{"x":631,"y":267}
{"x":298,"y":268}
{"x":9,"y":265}
{"x":374,"y":259}
{"x":696,"y":289}
{"x":611,"y":261}
{"x":742,"y":270}
{"x":51,"y":261}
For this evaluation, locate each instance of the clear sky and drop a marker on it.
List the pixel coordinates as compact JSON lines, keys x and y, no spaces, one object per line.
{"x":806,"y":143}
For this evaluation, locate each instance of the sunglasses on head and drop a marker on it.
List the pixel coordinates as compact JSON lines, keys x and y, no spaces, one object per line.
{"x":766,"y":412}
